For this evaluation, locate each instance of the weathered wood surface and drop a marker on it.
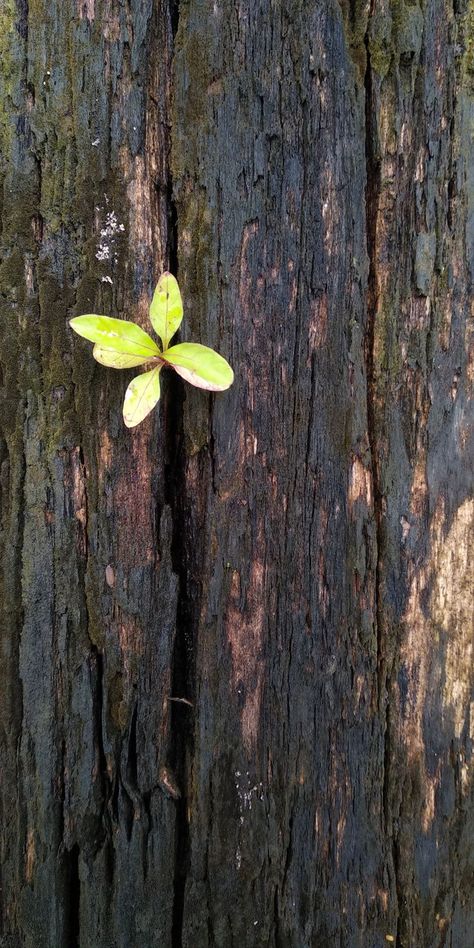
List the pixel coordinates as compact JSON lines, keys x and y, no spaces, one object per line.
{"x":293,"y":557}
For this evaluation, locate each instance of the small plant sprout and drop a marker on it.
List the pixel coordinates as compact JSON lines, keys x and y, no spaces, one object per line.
{"x":120,"y":344}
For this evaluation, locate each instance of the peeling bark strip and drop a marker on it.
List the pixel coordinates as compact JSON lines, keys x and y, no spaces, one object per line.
{"x":236,"y":667}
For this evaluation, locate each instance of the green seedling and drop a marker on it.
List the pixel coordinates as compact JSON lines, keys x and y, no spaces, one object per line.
{"x":120,"y":344}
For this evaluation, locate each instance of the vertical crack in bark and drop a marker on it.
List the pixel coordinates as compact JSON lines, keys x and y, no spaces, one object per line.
{"x":180,"y":749}
{"x":372,"y":197}
{"x":182,"y":671}
{"x":72,"y":897}
{"x":182,"y":661}
{"x":174,"y":16}
{"x":97,"y":674}
{"x":22,"y":22}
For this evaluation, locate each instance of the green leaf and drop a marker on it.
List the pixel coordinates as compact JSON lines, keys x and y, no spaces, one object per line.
{"x":117,"y":360}
{"x":141,"y":397}
{"x":117,"y":334}
{"x":201,"y":366}
{"x":166,"y":310}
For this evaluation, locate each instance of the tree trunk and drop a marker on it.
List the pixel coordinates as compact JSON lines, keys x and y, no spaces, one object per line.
{"x":291,"y":557}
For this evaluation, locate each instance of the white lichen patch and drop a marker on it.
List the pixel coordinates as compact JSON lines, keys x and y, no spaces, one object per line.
{"x":246,"y":792}
{"x":112,"y":228}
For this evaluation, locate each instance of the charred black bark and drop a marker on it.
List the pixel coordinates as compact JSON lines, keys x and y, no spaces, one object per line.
{"x":236,"y":669}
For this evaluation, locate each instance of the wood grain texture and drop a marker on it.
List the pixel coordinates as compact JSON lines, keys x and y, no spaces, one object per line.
{"x":292,"y":557}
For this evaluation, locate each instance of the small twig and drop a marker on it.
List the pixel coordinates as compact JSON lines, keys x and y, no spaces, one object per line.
{"x":180,"y":700}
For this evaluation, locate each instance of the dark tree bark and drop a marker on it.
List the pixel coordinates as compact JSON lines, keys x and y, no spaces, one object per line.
{"x":293,"y":557}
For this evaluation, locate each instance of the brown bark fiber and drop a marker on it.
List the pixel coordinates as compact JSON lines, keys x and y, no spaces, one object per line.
{"x":293,"y":557}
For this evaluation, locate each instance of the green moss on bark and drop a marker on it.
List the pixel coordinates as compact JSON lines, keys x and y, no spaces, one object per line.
{"x":7,"y":27}
{"x":468,"y":63}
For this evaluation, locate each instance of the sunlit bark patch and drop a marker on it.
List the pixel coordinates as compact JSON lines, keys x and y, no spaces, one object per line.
{"x":451,"y":610}
{"x":360,"y":486}
{"x":245,"y":625}
{"x":318,"y":324}
{"x":86,"y":9}
{"x":440,"y":611}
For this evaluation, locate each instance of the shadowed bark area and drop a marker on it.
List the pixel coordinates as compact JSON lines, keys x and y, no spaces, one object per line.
{"x":293,"y":556}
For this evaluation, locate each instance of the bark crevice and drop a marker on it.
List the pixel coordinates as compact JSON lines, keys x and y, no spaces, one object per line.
{"x":175,"y":498}
{"x":181,"y":670}
{"x":375,"y":434}
{"x":373,"y":185}
{"x":72,"y":897}
{"x":373,"y":194}
{"x":97,"y":689}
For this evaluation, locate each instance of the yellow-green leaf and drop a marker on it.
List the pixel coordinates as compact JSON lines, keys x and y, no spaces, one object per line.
{"x":117,"y":334}
{"x":201,"y":366}
{"x":141,"y":397}
{"x":117,"y":360}
{"x":166,"y":310}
